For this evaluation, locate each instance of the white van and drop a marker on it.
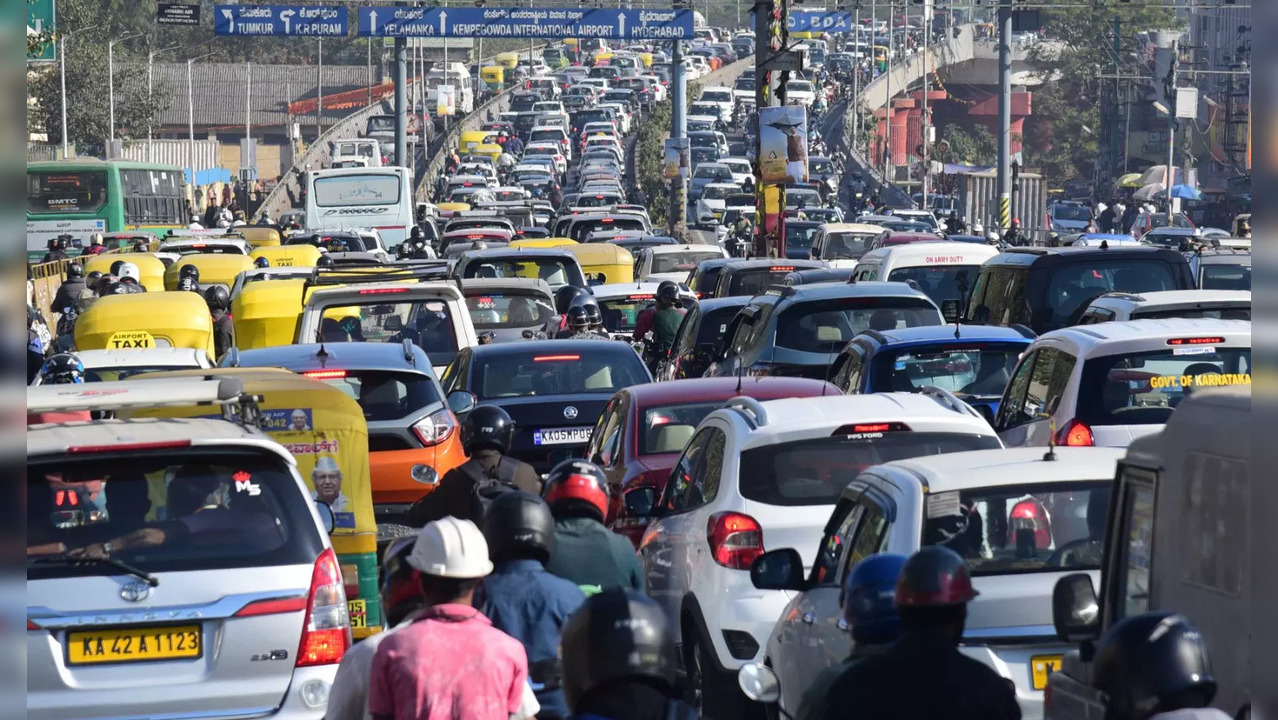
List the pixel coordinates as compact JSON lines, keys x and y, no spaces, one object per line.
{"x":380,"y":199}
{"x":459,"y":77}
{"x":943,"y":270}
{"x":368,"y":150}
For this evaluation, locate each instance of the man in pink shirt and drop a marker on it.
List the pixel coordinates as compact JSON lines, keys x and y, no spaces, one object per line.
{"x":450,"y":663}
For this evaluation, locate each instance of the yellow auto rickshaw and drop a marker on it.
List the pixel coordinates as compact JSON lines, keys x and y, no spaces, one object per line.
{"x":325,"y":431}
{"x":146,"y":320}
{"x":880,"y":53}
{"x":602,"y":58}
{"x":215,"y":269}
{"x":494,"y":77}
{"x":492,"y":150}
{"x":446,"y":209}
{"x":508,"y":60}
{"x":471,"y":138}
{"x":266,"y":313}
{"x":150,"y":267}
{"x":296,"y":255}
{"x":542,"y":242}
{"x":604,"y":263}
{"x":261,"y":236}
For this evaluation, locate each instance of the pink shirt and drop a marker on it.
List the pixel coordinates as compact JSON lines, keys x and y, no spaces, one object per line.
{"x":451,"y":664}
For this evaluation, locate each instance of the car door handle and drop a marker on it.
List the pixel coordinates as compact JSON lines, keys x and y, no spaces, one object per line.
{"x":808,"y":618}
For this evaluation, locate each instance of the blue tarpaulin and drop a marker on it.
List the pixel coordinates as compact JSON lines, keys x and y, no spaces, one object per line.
{"x":208,"y":177}
{"x":964,"y":168}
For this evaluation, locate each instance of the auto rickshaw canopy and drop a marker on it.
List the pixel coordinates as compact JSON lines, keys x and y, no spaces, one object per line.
{"x":145,"y":320}
{"x":150,"y":268}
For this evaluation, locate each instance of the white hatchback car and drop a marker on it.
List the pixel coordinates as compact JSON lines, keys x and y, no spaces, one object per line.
{"x":1120,"y":306}
{"x":1021,"y":521}
{"x":673,"y":262}
{"x":757,"y":472}
{"x":1110,"y":383}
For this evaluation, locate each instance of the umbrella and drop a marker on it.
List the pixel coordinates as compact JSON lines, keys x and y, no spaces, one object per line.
{"x":1130,"y":180}
{"x":1148,"y":192}
{"x":1185,"y":192}
{"x":1158,"y":174}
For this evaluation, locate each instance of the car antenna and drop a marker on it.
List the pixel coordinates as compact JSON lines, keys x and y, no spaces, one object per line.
{"x":740,"y":372}
{"x":1050,"y":455}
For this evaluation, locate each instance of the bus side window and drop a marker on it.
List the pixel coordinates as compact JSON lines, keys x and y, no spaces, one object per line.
{"x":1133,"y":538}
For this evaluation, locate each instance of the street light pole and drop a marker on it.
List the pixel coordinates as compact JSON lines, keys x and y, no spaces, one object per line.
{"x":62,"y":64}
{"x":111,"y":84}
{"x":150,"y":74}
{"x":190,"y":115}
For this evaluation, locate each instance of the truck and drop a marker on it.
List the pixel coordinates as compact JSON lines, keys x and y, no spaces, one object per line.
{"x":1178,"y":539}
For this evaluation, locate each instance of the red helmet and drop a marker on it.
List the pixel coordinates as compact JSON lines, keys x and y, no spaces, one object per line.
{"x":934,"y":576}
{"x":1016,"y":222}
{"x":577,"y":483}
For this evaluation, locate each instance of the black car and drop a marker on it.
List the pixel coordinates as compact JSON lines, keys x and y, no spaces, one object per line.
{"x":1049,"y":288}
{"x":554,"y":390}
{"x":751,"y":277}
{"x":705,"y":278}
{"x":699,"y":337}
{"x":798,"y":238}
{"x":818,"y":275}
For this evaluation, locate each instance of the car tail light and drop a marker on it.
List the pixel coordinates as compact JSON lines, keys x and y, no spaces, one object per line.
{"x":735,"y":539}
{"x":1076,"y":434}
{"x":436,"y":427}
{"x":326,"y":633}
{"x":325,"y":374}
{"x":383,"y":291}
{"x":128,"y":447}
{"x":273,"y":606}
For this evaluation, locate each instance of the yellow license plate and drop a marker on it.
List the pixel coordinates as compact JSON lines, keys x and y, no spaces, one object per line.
{"x":140,"y":644}
{"x":358,"y":611}
{"x":1041,"y":666}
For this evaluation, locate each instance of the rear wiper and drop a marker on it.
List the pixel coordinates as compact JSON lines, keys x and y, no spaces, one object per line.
{"x":148,"y":578}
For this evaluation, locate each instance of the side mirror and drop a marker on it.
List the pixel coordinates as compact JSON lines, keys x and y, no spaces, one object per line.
{"x":950,"y":310}
{"x":462,"y":402}
{"x":327,"y":517}
{"x":424,"y":474}
{"x":778,"y":570}
{"x":641,"y":502}
{"x":759,"y":683}
{"x":1075,"y":613}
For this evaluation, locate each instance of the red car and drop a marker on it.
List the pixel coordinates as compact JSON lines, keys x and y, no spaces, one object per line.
{"x":643,"y":428}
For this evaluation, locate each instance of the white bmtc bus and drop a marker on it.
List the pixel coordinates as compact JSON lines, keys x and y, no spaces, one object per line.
{"x":377,"y":198}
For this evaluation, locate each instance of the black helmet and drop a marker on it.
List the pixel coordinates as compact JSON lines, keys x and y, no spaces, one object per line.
{"x":115,"y":267}
{"x":564,"y":297}
{"x":934,"y":576}
{"x":519,"y":525}
{"x":261,"y":262}
{"x":415,"y":233}
{"x":1146,"y":660}
{"x":75,"y":271}
{"x":587,"y":301}
{"x":189,"y":271}
{"x":324,"y":261}
{"x":217,"y":298}
{"x":91,"y":280}
{"x":668,"y":290}
{"x":594,"y":314}
{"x":62,"y":369}
{"x":577,"y":485}
{"x":618,"y":634}
{"x":578,"y":317}
{"x":487,"y":427}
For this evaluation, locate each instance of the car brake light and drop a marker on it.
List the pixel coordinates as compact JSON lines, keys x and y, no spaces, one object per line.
{"x":325,"y":374}
{"x":735,"y":539}
{"x":640,"y":297}
{"x":128,"y":447}
{"x":859,"y":428}
{"x":1196,"y":341}
{"x":782,"y":268}
{"x":555,"y":358}
{"x":273,"y":606}
{"x":326,"y":632}
{"x":436,"y":427}
{"x":1076,"y":434}
{"x":382,"y":291}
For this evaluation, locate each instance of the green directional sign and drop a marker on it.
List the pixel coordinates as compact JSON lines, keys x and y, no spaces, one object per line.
{"x":40,"y":27}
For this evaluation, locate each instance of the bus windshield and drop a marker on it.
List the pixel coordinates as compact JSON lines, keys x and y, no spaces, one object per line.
{"x":347,"y":190}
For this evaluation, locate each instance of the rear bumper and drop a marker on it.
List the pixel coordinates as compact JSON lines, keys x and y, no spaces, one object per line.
{"x":393,"y":483}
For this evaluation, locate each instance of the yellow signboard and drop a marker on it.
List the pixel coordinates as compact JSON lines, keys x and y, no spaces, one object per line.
{"x":130,"y":339}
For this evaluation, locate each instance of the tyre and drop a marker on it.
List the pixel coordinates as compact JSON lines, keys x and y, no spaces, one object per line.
{"x":713,"y":693}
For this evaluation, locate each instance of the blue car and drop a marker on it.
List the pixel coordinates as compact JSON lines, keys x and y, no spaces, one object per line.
{"x":974,"y":362}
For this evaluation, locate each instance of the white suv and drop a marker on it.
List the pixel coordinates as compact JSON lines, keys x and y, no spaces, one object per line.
{"x":1019,"y":519}
{"x":1110,"y":383}
{"x":757,"y":472}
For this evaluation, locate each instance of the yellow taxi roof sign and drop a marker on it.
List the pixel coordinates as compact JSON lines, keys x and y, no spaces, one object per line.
{"x":130,"y":339}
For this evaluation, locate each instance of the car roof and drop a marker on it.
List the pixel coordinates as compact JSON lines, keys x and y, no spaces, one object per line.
{"x":480,"y":285}
{"x":914,"y":251}
{"x":139,"y":357}
{"x":951,"y":333}
{"x":1176,"y":297}
{"x":868,"y":288}
{"x":735,"y":265}
{"x":612,"y":291}
{"x":698,"y":390}
{"x":1011,"y":466}
{"x":507,"y":252}
{"x":550,"y":347}
{"x":686,"y":247}
{"x":1148,"y":332}
{"x":1032,"y":256}
{"x":338,"y":355}
{"x":53,"y":438}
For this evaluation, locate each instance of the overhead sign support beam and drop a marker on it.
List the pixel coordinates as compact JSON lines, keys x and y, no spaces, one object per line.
{"x":550,"y":23}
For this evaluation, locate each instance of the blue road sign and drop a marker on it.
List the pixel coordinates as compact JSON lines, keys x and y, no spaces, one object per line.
{"x":300,"y":20}
{"x":524,"y":23}
{"x":818,"y":21}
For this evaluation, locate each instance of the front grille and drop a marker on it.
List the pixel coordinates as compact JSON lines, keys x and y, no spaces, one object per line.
{"x":384,"y":443}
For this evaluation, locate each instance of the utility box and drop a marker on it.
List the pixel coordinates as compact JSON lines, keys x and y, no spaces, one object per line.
{"x":978,"y":202}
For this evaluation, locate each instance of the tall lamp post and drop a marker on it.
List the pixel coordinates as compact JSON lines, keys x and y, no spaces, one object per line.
{"x":190,"y":115}
{"x":62,"y":66}
{"x":111,"y":83}
{"x":150,"y":87}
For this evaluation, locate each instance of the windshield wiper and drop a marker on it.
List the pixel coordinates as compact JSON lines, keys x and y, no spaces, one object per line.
{"x":150,"y":579}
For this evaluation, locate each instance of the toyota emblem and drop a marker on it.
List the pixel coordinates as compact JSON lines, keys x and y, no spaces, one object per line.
{"x":570,"y":412}
{"x":136,"y":591}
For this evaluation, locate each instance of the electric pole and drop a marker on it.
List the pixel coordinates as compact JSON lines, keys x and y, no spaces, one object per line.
{"x":1005,"y":114}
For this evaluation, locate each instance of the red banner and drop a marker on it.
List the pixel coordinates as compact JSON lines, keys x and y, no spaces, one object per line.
{"x":343,"y":100}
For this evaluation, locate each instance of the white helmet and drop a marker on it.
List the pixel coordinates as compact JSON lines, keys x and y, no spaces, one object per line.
{"x":978,"y":229}
{"x":992,"y":237}
{"x":451,"y":548}
{"x":130,"y":270}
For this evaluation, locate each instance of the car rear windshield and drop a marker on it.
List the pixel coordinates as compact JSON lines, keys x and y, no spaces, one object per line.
{"x":799,"y":236}
{"x":428,"y":323}
{"x":819,"y":325}
{"x":752,"y":281}
{"x":940,"y":282}
{"x":1072,"y":212}
{"x":197,"y":509}
{"x":1016,"y":529}
{"x":582,"y":229}
{"x":685,"y":261}
{"x":557,"y":373}
{"x":814,"y":472}
{"x":975,"y":369}
{"x":381,"y":394}
{"x":1144,"y":388}
{"x":1226,"y":277}
{"x":1072,"y":287}
{"x":507,"y":310}
{"x":846,"y":245}
{"x":557,"y":272}
{"x":621,"y":314}
{"x":331,"y":243}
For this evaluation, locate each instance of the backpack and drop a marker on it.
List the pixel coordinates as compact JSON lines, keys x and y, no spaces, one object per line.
{"x":489,"y":486}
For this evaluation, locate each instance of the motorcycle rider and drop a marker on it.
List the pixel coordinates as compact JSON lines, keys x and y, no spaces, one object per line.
{"x":586,"y":552}
{"x":57,"y":249}
{"x":619,"y":660}
{"x":1154,"y":666}
{"x":931,"y":596}
{"x":521,"y":598}
{"x":1013,"y":236}
{"x":68,"y":293}
{"x":662,"y":320}
{"x":583,"y":315}
{"x":740,"y":236}
{"x":870,"y":613}
{"x":189,"y":278}
{"x":95,"y":245}
{"x":486,"y":435}
{"x":130,"y":279}
{"x":414,"y":248}
{"x":219,"y":302}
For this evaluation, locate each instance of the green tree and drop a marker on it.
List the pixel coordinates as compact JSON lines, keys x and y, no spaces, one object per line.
{"x":978,"y":147}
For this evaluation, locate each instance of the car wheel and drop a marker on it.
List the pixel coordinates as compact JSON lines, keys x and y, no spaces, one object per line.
{"x":715,"y":695}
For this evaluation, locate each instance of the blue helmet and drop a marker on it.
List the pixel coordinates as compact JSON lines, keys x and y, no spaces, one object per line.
{"x":869,"y":604}
{"x":62,"y":369}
